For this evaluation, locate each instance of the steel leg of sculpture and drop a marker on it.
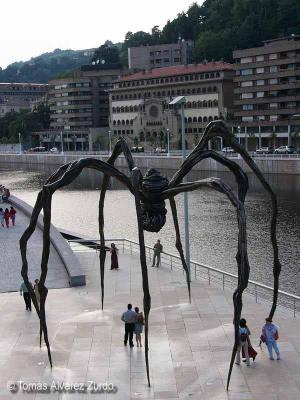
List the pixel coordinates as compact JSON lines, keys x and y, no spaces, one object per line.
{"x":179,"y":244}
{"x":147,"y":298}
{"x":241,"y":258}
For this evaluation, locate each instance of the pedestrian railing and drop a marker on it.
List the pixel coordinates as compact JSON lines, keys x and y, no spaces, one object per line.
{"x":197,"y":271}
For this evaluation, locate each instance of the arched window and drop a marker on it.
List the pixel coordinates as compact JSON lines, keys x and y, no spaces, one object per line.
{"x":135,"y":108}
{"x":185,"y":120}
{"x":114,"y":122}
{"x":131,"y":108}
{"x":199,"y":119}
{"x":158,"y":94}
{"x":134,"y":95}
{"x":126,"y":109}
{"x":114,"y":109}
{"x":188,"y":104}
{"x":190,"y":120}
{"x":209,"y":89}
{"x":216,"y":117}
{"x":204,"y":104}
{"x":204,"y":119}
{"x":139,"y":95}
{"x":194,"y":104}
{"x":127,"y":121}
{"x":123,"y":122}
{"x":215,"y":103}
{"x":142,"y":136}
{"x":210,"y":118}
{"x":194,"y":119}
{"x":200,"y":104}
{"x":122,"y":109}
{"x":209,"y":103}
{"x":119,"y":122}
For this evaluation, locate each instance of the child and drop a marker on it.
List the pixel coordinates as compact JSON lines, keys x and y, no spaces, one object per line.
{"x":12,"y":214}
{"x":6,"y":217}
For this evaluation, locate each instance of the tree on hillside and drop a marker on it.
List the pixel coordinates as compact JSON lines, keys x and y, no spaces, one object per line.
{"x":106,"y":54}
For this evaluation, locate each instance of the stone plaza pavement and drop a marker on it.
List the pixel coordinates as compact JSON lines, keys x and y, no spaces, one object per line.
{"x":190,"y":344}
{"x":10,"y":265}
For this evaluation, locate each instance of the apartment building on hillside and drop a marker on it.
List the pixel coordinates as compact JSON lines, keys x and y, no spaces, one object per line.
{"x":267,"y":91}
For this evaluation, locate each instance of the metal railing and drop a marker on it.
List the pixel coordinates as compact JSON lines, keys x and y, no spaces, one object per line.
{"x":199,"y":271}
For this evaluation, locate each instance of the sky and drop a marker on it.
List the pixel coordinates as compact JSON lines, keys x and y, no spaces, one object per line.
{"x":31,"y":27}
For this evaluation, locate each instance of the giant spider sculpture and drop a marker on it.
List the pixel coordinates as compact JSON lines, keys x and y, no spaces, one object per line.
{"x":150,"y":192}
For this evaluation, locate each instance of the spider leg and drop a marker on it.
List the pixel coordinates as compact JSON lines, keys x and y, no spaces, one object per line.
{"x":179,"y":244}
{"x":62,"y":177}
{"x":219,"y":128}
{"x":242,"y":256}
{"x":136,"y":176}
{"x":121,"y":146}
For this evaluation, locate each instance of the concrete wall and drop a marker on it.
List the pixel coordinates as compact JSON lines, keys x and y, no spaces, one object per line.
{"x":270,"y":165}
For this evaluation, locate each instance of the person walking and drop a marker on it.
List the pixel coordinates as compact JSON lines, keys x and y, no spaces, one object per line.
{"x":26,"y":295}
{"x":12,"y":214}
{"x":270,"y":336}
{"x":157,"y":250}
{"x":6,"y":217}
{"x":2,"y":217}
{"x":243,"y":346}
{"x":129,"y":317}
{"x":138,"y":326}
{"x":114,"y":256}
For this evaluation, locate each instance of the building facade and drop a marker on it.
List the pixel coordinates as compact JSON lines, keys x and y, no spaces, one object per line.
{"x":79,"y":107}
{"x":20,"y":96}
{"x":161,"y":55}
{"x":140,"y":110}
{"x":267,"y":91}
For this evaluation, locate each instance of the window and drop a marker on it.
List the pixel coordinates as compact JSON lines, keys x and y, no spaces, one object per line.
{"x":176,"y":59}
{"x":260,"y":70}
{"x":247,"y":83}
{"x":158,"y":61}
{"x":247,"y":107}
{"x":247,"y":119}
{"x":273,"y":56}
{"x":247,"y":71}
{"x":247,"y":96}
{"x":273,"y":105}
{"x":260,"y":94}
{"x":166,"y":60}
{"x":260,"y":82}
{"x":273,"y":81}
{"x":246,"y":60}
{"x":273,"y":117}
{"x":259,"y":58}
{"x":273,"y":68}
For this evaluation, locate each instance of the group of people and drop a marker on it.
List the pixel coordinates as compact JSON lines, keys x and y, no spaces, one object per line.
{"x":269,"y":336}
{"x":24,"y":291}
{"x":134,"y":322}
{"x":7,"y":215}
{"x":4,"y":193}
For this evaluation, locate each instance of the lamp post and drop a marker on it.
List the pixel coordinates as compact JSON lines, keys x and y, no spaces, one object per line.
{"x":180,"y":101}
{"x":168,"y":137}
{"x":61,"y":142}
{"x":109,"y":139}
{"x":20,"y":143}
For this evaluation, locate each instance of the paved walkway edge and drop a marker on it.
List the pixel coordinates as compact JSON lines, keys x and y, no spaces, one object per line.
{"x":71,"y":263}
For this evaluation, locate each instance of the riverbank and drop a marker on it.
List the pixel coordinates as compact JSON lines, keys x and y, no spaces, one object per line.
{"x":268,"y":165}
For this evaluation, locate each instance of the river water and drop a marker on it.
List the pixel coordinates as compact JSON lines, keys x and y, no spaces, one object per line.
{"x":213,"y":226}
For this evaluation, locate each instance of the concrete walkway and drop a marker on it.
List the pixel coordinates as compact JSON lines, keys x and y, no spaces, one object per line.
{"x":190,"y":344}
{"x":10,"y":265}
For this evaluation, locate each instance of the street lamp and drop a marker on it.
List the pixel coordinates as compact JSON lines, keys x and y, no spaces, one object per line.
{"x":109,"y":139}
{"x":168,"y":138}
{"x":20,"y":143}
{"x":180,"y":101}
{"x":61,"y":142}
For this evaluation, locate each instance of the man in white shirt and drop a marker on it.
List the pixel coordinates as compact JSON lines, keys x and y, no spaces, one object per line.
{"x":129,"y":317}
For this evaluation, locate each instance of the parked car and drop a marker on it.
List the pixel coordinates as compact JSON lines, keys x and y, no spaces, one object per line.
{"x":54,"y":150}
{"x":285,"y":150}
{"x":264,"y":150}
{"x":37,"y":150}
{"x":137,"y":149}
{"x":228,"y":150}
{"x":160,"y":150}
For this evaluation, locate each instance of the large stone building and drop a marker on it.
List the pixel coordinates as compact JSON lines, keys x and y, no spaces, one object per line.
{"x":79,"y":107}
{"x":161,"y":55}
{"x":139,"y":103}
{"x":267,"y":92}
{"x":20,"y":96}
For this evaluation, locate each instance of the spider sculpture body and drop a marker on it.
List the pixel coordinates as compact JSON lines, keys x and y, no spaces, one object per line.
{"x":150,"y":193}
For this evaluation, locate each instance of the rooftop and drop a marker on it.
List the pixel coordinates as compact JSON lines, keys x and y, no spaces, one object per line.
{"x":179,"y":70}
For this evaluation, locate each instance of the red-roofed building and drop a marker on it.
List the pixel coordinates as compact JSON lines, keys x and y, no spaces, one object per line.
{"x":139,"y":102}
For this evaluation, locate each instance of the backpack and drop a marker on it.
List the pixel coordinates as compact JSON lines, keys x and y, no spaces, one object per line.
{"x":243,"y":336}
